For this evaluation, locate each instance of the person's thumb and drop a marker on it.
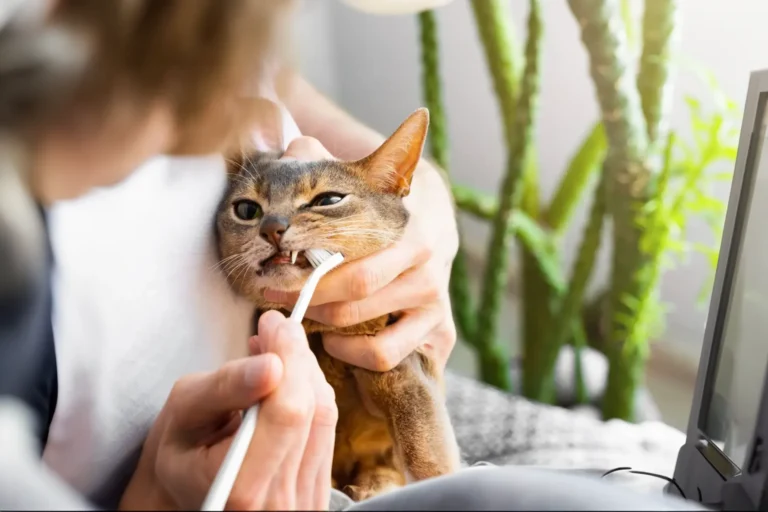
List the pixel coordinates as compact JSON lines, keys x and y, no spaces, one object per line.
{"x":237,"y":385}
{"x":305,"y":149}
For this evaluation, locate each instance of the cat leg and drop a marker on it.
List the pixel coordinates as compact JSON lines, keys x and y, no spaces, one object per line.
{"x":374,"y":479}
{"x":411,"y":398}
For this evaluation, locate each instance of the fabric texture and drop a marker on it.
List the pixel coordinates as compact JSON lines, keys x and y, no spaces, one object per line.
{"x":520,"y":488}
{"x":503,"y":429}
{"x":27,"y":352}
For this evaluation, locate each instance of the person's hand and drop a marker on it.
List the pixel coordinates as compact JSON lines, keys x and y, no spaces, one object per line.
{"x":409,"y":278}
{"x":288,"y":464}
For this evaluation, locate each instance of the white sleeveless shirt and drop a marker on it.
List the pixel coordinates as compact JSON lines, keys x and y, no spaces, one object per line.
{"x":137,"y":303}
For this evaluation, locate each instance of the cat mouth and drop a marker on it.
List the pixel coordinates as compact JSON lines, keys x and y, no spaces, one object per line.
{"x":295,"y":258}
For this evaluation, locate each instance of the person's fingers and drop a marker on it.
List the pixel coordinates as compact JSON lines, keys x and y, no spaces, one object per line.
{"x":266,"y":340}
{"x":198,"y":400}
{"x":360,"y":279}
{"x":411,"y":290}
{"x":442,"y":338}
{"x":389,"y":347}
{"x":306,"y":149}
{"x":324,"y":480}
{"x":294,"y":411}
{"x":314,"y":479}
{"x":284,"y":421}
{"x":254,"y":345}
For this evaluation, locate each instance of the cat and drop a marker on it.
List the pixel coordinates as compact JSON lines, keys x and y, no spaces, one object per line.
{"x":393,"y":426}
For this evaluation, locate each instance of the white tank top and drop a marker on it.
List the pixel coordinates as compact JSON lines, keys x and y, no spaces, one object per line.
{"x":137,"y":304}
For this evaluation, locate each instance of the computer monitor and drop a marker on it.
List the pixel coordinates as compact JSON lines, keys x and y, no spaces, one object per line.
{"x":724,"y":461}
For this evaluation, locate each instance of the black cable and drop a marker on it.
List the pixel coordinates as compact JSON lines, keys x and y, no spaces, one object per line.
{"x":646,"y":473}
{"x":614,"y":470}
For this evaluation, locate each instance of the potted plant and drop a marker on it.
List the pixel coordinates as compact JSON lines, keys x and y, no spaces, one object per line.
{"x":645,"y":183}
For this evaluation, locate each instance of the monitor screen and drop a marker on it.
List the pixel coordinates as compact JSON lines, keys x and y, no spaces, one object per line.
{"x":729,"y":412}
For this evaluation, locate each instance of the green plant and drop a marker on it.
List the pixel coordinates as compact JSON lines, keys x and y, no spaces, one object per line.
{"x":646,"y":181}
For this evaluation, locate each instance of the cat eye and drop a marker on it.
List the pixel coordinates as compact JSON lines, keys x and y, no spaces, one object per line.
{"x":328,"y":199}
{"x":247,"y":210}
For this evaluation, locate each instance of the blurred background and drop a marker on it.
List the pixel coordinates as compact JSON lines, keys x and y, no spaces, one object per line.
{"x":371,"y":66}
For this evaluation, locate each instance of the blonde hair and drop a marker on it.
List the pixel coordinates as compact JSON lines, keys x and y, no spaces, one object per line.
{"x":197,"y":56}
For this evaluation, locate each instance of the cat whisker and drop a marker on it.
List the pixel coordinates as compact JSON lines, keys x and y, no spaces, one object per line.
{"x":224,"y":261}
{"x":249,"y":164}
{"x":239,"y":178}
{"x":361,"y":232}
{"x":241,"y":265}
{"x":347,"y":233}
{"x":244,"y":272}
{"x":235,"y":261}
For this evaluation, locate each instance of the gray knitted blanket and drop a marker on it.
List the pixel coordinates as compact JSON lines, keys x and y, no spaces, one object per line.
{"x":503,"y":429}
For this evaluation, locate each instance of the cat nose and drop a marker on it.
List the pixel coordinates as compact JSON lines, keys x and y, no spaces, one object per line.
{"x":273,"y":228}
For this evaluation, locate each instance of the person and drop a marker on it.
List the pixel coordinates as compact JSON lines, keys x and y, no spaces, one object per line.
{"x":135,"y":402}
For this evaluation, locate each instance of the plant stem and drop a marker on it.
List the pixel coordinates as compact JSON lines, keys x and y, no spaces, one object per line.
{"x":579,"y":343}
{"x":498,"y":254}
{"x":625,"y":375}
{"x":653,"y":79}
{"x":432,"y":89}
{"x":655,"y":87}
{"x":570,"y":306}
{"x":627,"y":174}
{"x":497,"y":35}
{"x":461,"y":295}
{"x":474,"y":202}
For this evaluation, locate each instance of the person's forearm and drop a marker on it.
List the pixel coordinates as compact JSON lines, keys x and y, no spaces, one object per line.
{"x":348,"y":139}
{"x":315,"y":114}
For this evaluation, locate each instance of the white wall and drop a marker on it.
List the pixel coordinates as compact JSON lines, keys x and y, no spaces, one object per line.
{"x":377,"y":79}
{"x":315,"y":45}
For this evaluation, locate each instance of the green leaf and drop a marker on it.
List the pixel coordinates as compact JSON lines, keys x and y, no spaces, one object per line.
{"x":586,"y":162}
{"x":629,"y":24}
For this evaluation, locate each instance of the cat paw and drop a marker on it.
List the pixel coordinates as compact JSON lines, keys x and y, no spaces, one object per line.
{"x":358,"y":493}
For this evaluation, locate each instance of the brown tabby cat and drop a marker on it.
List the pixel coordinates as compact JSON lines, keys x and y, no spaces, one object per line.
{"x":393,"y":426}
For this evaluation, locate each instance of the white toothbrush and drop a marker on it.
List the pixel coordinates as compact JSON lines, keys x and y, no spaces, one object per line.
{"x":323,"y":261}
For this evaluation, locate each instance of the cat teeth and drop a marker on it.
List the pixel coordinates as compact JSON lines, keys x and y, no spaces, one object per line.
{"x":294,"y":255}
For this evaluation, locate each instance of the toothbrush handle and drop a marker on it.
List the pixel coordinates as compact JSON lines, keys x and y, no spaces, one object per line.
{"x":230,"y":467}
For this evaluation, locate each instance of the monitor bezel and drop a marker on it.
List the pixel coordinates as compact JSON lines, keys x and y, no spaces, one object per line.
{"x":703,"y":471}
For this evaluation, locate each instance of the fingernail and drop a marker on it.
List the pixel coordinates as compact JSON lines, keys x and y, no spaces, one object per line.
{"x":253,"y":344}
{"x":269,"y":320}
{"x":260,"y":370}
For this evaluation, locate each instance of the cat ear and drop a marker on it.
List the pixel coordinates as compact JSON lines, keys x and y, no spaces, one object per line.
{"x":390,"y":168}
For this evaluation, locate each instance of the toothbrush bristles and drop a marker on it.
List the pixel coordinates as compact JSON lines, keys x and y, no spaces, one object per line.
{"x":317,"y":256}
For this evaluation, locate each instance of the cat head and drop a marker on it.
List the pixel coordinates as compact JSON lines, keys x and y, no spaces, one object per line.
{"x":274,"y":210}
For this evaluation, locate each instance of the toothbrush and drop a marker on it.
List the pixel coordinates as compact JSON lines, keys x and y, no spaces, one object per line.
{"x":323,"y":261}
